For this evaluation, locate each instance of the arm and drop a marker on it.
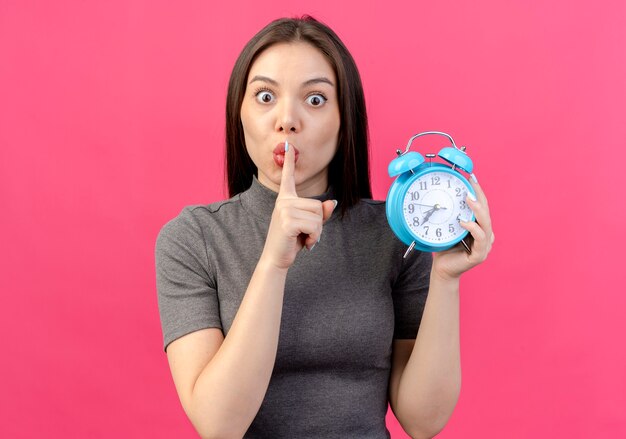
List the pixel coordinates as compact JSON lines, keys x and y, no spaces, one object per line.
{"x":221,"y":381}
{"x":426,"y":373}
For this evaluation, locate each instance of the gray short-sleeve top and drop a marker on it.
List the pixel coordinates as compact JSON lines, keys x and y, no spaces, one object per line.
{"x":344,"y":303}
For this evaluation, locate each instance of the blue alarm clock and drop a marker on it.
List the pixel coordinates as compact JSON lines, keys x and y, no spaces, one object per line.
{"x":427,"y":200}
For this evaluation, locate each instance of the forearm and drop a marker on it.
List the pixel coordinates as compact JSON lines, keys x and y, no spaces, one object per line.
{"x":230,"y":389}
{"x":430,"y":383}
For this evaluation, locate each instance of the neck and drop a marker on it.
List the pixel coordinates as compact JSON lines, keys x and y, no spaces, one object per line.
{"x":313,"y":187}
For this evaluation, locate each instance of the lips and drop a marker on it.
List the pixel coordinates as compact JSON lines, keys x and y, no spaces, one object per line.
{"x":279,"y":154}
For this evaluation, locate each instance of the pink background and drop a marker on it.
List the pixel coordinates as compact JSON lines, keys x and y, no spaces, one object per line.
{"x":111,"y":120}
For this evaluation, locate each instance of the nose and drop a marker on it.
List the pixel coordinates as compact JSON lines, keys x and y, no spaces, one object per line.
{"x":288,"y":120}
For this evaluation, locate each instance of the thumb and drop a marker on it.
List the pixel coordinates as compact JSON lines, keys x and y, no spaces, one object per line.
{"x":328,"y":207}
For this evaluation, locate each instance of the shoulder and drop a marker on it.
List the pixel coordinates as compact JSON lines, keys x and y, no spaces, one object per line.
{"x":368,"y":212}
{"x":191,"y":226}
{"x":369,"y":207}
{"x":193,"y":218}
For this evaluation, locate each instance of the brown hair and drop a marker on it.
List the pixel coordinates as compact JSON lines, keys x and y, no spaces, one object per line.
{"x":348,"y":172}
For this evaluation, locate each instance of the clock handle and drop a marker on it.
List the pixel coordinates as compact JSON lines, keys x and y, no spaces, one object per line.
{"x":425,"y":133}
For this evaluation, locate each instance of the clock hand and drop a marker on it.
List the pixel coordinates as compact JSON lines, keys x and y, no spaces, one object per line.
{"x":436,"y":206}
{"x":423,"y":205}
{"x":428,"y":215}
{"x":430,"y":212}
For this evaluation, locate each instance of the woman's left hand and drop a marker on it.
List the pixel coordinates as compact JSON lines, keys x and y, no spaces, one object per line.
{"x":450,"y":264}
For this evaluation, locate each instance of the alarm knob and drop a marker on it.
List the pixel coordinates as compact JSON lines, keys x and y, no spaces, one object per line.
{"x":457,"y":158}
{"x":405,"y":163}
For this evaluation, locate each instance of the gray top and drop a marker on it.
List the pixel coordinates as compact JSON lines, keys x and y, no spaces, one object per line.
{"x":344,"y":303}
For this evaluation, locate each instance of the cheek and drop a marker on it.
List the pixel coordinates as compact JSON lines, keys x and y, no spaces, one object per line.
{"x":327,"y":125}
{"x":252,"y":141}
{"x":246,"y":121}
{"x":334,"y":123}
{"x":330,"y":131}
{"x":255,"y":128}
{"x":249,"y":118}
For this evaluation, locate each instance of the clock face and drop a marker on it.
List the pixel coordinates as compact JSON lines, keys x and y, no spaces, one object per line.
{"x":433,"y":205}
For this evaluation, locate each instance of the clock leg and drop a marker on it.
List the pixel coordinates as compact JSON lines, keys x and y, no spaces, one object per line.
{"x":467,"y":249}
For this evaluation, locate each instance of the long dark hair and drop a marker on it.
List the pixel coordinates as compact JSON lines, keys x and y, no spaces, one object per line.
{"x":348,"y":172}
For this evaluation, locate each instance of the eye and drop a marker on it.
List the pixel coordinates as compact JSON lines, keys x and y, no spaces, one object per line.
{"x":264,"y":96}
{"x":316,"y":100}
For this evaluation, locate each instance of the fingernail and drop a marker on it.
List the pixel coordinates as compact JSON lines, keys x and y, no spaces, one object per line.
{"x":312,"y":247}
{"x":471,"y":196}
{"x":287,"y":146}
{"x":474,"y":179}
{"x":336,"y":202}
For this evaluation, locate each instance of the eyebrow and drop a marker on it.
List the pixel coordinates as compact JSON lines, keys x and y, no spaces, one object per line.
{"x":321,"y":79}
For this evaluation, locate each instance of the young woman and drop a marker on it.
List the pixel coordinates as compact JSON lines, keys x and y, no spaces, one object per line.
{"x":288,"y":310}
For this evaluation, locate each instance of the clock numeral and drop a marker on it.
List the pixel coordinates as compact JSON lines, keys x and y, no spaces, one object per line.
{"x":451,"y":226}
{"x":416,"y":221}
{"x":415,"y":196}
{"x":459,"y":192}
{"x":449,"y":184}
{"x":423,"y":186}
{"x":426,"y":228}
{"x":411,"y":209}
{"x":438,"y":232}
{"x":435,"y":180}
{"x":458,"y":217}
{"x":463,"y":205}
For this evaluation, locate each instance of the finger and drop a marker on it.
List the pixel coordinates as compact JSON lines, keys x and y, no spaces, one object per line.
{"x":295,"y":220}
{"x":306,"y":230}
{"x":481,"y":212}
{"x":480,"y":195}
{"x":306,"y":215}
{"x":312,"y":240}
{"x":480,"y":247}
{"x":328,"y":207}
{"x":287,"y":179}
{"x":482,"y":215}
{"x":481,"y":230}
{"x":304,"y":226}
{"x":304,"y":204}
{"x":310,"y":228}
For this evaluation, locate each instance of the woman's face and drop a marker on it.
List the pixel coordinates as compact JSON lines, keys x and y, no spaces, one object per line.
{"x":291,"y":94}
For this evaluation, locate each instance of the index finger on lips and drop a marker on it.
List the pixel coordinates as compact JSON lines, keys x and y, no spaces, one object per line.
{"x":287,"y":179}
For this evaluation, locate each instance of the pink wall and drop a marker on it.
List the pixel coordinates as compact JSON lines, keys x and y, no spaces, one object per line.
{"x":111,"y":120}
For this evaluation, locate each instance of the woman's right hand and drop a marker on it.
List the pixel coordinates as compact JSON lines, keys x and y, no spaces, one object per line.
{"x":296,"y":222}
